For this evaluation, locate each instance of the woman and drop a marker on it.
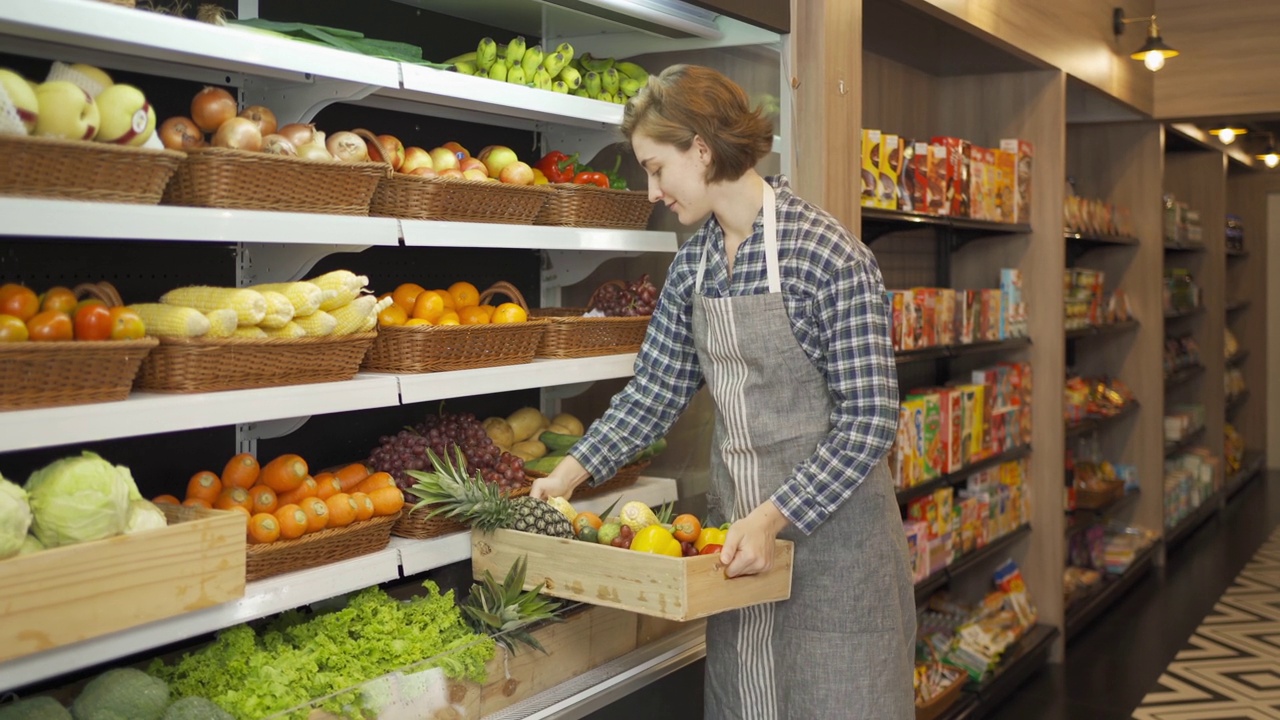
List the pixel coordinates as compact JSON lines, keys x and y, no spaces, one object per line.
{"x":781,"y":312}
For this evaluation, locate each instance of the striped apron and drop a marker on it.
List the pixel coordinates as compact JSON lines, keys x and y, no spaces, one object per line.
{"x":841,"y":646}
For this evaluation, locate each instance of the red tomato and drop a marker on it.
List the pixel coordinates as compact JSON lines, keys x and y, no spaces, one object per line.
{"x":126,"y":324}
{"x":93,"y":322}
{"x":12,"y":329}
{"x":59,"y":298}
{"x":50,"y":325}
{"x":18,"y":301}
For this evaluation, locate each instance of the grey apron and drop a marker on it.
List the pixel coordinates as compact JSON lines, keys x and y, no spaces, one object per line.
{"x":841,"y":647}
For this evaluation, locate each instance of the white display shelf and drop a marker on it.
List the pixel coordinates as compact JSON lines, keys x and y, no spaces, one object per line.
{"x":537,"y":374}
{"x":31,"y":217}
{"x":418,"y":556}
{"x":261,"y":598}
{"x":151,"y":413}
{"x":433,"y":233}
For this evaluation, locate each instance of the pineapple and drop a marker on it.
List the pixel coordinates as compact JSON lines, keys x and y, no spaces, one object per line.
{"x":472,"y":500}
{"x":504,"y":610}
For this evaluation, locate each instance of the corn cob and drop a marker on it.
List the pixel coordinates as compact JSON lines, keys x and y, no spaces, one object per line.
{"x":355,"y":315}
{"x":346,"y":285}
{"x":279,"y":311}
{"x":222,"y":323}
{"x":249,"y":305}
{"x":304,"y":296}
{"x":171,"y":320}
{"x":317,"y":324}
{"x":372,"y":321}
{"x":288,"y":330}
{"x":250,"y":333}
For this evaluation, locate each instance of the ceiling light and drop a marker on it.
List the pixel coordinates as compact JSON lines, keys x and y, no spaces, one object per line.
{"x":1270,"y":158}
{"x":1154,"y":51}
{"x":1228,"y":135}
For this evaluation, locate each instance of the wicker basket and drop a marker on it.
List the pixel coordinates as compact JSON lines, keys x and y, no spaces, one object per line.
{"x":592,"y":206}
{"x":942,"y":701}
{"x":75,"y":170}
{"x":418,"y":526}
{"x":570,"y":335}
{"x":626,"y":476}
{"x":438,"y":348}
{"x":196,"y":365}
{"x":224,"y":178}
{"x":49,"y":374}
{"x":419,"y":198}
{"x":319,"y":548}
{"x":1094,"y":499}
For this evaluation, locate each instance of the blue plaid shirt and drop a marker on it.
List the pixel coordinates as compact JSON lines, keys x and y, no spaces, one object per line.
{"x":835,"y":297}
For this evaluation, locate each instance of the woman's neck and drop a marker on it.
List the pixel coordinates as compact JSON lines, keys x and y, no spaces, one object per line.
{"x":736,"y":203}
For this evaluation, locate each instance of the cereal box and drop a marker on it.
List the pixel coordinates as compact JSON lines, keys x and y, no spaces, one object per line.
{"x":918,"y":547}
{"x":943,"y":500}
{"x":969,"y":311}
{"x":916,"y":171}
{"x":924,"y":510}
{"x":937,"y":195}
{"x":932,"y":456}
{"x":906,"y":461}
{"x":872,"y":150}
{"x":977,"y":178}
{"x":988,"y":185}
{"x":971,"y":419}
{"x":1022,"y":152}
{"x":945,"y":316}
{"x":1005,"y":172}
{"x":990,"y":327}
{"x":911,"y":332}
{"x":893,"y":303}
{"x":956,"y":174}
{"x":889,"y":171}
{"x":953,"y":429}
{"x":1013,"y":311}
{"x":926,"y":300}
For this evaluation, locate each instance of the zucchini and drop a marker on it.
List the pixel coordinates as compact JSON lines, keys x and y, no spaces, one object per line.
{"x":544,"y":464}
{"x":558,"y":442}
{"x":654,"y":449}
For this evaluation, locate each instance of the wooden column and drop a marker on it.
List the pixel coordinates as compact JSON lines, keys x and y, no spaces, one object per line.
{"x":1247,"y":196}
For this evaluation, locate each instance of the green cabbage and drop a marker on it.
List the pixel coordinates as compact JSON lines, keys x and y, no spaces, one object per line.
{"x":15,"y":518}
{"x":77,"y":499}
{"x":195,"y":708}
{"x":144,"y":515}
{"x":36,"y":708}
{"x":30,"y":544}
{"x":122,"y":694}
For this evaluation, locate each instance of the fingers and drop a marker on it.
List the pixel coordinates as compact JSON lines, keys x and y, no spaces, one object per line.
{"x":539,"y":490}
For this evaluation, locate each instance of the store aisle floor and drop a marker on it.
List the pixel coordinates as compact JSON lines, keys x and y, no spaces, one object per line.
{"x":1112,"y":665}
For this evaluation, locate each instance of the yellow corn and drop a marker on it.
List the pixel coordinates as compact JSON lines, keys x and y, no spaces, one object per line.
{"x":171,"y":320}
{"x":304,"y":296}
{"x":252,"y":333}
{"x":279,"y":311}
{"x":288,"y":330}
{"x":249,"y":305}
{"x":222,"y":323}
{"x":353,"y":316}
{"x":372,"y":321}
{"x":318,"y":323}
{"x":345,"y":284}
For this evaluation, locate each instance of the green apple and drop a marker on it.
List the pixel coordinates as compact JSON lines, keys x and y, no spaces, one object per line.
{"x":66,"y":111}
{"x":497,"y":157}
{"x":127,"y":117}
{"x":22,"y":97}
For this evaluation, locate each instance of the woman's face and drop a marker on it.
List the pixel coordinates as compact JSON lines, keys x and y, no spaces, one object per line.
{"x":676,"y":179}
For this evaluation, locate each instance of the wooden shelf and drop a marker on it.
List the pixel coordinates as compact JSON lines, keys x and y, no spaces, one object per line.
{"x":908,"y":494}
{"x":1184,"y":313}
{"x":967,"y":562}
{"x":1083,"y":517}
{"x":1182,"y":375}
{"x":1237,"y":253}
{"x":1193,"y":520}
{"x":1025,"y":658}
{"x":1237,"y":306}
{"x":877,"y":222}
{"x":1190,"y":248}
{"x":1095,"y":602}
{"x":1095,"y":424}
{"x":1253,"y":465}
{"x":1103,"y":330}
{"x":1172,"y":448}
{"x":942,"y":352}
{"x":1088,"y":239}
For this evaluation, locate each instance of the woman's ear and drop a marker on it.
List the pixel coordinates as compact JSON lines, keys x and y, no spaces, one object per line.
{"x":702,"y":149}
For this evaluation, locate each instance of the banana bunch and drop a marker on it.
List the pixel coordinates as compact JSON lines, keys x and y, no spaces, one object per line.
{"x":558,"y":70}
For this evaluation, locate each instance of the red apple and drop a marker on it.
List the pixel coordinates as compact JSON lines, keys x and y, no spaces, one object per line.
{"x":390,"y":149}
{"x":477,"y":174}
{"x":450,"y":174}
{"x":497,"y":157}
{"x":442,"y":158}
{"x":517,"y":173}
{"x":423,"y":171}
{"x":457,"y":149}
{"x":469,"y":162}
{"x":414,"y":158}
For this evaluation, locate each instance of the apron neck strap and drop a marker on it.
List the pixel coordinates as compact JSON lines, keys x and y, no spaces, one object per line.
{"x":770,"y":213}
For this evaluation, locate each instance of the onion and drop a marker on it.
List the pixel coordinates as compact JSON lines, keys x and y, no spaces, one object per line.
{"x":315,"y":150}
{"x":238,"y":134}
{"x":348,"y":147}
{"x":277,"y":145}
{"x":298,"y":133}
{"x":180,"y":133}
{"x":212,"y":107}
{"x":263,"y":116}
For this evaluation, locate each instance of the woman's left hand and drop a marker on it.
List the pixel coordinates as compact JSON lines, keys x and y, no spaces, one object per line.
{"x":748,"y":548}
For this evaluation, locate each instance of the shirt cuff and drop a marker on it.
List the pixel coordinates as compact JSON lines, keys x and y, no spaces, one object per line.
{"x":594,"y":458}
{"x":800,"y":506}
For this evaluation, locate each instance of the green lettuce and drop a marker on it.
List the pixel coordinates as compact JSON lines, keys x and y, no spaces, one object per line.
{"x":15,"y":518}
{"x":77,"y":499}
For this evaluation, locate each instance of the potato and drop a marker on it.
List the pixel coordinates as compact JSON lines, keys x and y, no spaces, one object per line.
{"x":500,"y":432}
{"x":572,"y":424}
{"x":525,"y":423}
{"x":533,"y":448}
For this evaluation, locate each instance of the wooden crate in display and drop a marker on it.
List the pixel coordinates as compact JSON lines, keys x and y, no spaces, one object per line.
{"x":657,"y":585}
{"x":69,"y":594}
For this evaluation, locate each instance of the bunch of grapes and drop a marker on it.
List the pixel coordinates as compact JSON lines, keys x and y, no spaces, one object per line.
{"x":632,"y":299}
{"x":407,"y":450}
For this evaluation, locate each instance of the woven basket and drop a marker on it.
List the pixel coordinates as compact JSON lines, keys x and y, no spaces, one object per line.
{"x":572,"y":336}
{"x":592,"y":206}
{"x":418,"y":526}
{"x":420,"y":198}
{"x":942,"y":701}
{"x":1094,"y":499}
{"x":626,"y":476}
{"x":320,"y":548}
{"x":195,"y":365}
{"x":438,"y":348}
{"x":225,"y":178}
{"x":75,"y":170}
{"x":72,"y":372}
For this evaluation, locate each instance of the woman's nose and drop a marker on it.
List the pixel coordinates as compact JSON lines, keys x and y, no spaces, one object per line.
{"x":655,"y":193}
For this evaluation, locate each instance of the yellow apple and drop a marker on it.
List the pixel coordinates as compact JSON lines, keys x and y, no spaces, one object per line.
{"x":497,"y":157}
{"x":442,"y":158}
{"x":127,"y":117}
{"x":66,"y":111}
{"x":23,"y":97}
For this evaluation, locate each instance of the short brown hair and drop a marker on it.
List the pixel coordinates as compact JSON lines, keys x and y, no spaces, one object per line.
{"x":690,"y":100}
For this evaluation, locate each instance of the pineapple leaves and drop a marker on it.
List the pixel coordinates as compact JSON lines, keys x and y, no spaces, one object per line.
{"x":505,"y":610}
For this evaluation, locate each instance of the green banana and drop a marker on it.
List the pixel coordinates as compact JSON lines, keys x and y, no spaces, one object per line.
{"x":629,"y":87}
{"x":515,"y":51}
{"x":532,"y":60}
{"x":632,"y":70}
{"x":591,"y":82}
{"x":571,"y":77}
{"x":498,"y":71}
{"x":596,"y":64}
{"x":516,"y":76}
{"x":565,"y":49}
{"x":486,"y":53}
{"x":555,"y":62}
{"x":609,"y":81}
{"x":605,"y":97}
{"x":466,"y":68}
{"x":581,"y":92}
{"x":464,"y":57}
{"x":620,"y":99}
{"x":542,"y":79}
{"x":560,"y":87}
{"x":576,"y":64}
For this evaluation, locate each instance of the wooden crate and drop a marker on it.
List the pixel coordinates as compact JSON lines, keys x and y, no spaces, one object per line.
{"x":667,"y":587}
{"x":65,"y":595}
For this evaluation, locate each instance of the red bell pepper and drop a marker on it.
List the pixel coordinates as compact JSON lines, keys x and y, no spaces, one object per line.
{"x":591,"y":177}
{"x":558,"y":167}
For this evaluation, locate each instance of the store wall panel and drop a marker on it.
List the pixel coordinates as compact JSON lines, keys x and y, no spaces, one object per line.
{"x":1248,"y":194}
{"x":1223,"y":46}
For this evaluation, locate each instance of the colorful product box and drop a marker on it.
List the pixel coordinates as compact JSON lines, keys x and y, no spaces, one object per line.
{"x":926,"y":300}
{"x":918,"y":171}
{"x":1013,"y":309}
{"x":893,"y":298}
{"x":872,"y":150}
{"x":1022,"y":152}
{"x":977,"y":178}
{"x":1006,"y":170}
{"x":953,"y":438}
{"x":904,"y":175}
{"x":944,"y":500}
{"x":971,"y":431}
{"x":988,"y":185}
{"x":906,"y":461}
{"x":890,"y":169}
{"x":911,"y":330}
{"x":924,"y":510}
{"x":933,"y":455}
{"x":939,"y":202}
{"x":945,"y":314}
{"x":956,"y":175}
{"x":918,"y":547}
{"x":990,"y":325}
{"x":969,"y":321}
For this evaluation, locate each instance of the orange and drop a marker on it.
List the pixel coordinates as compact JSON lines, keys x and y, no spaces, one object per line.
{"x":328,"y":487}
{"x":263,"y":528}
{"x":509,"y":313}
{"x":376,"y":481}
{"x":364,"y":506}
{"x":342,"y":510}
{"x":285,"y":473}
{"x":232,"y":497}
{"x":464,"y":293}
{"x":473,"y":315}
{"x":18,"y":301}
{"x":351,"y":475}
{"x":428,"y":306}
{"x":197,"y":502}
{"x":394,"y":315}
{"x":171,"y":500}
{"x":241,"y":471}
{"x":448,"y":317}
{"x":13,"y":330}
{"x":405,"y":295}
{"x":264,"y":499}
{"x":308,"y":488}
{"x":387,"y":501}
{"x":204,"y":485}
{"x":317,"y":513}
{"x":449,"y":303}
{"x":60,"y":299}
{"x":293,"y":521}
{"x":416,"y":322}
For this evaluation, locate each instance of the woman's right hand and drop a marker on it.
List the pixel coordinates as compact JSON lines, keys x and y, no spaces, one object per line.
{"x":562,"y":481}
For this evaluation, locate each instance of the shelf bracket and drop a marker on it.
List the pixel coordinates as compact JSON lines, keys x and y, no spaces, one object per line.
{"x":248,"y":434}
{"x":258,"y":263}
{"x":301,"y":101}
{"x":561,"y":268}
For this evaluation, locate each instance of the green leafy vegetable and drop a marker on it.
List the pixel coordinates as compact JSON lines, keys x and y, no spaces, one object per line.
{"x":36,"y":708}
{"x":122,"y":693}
{"x":15,"y":518}
{"x":77,"y":499}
